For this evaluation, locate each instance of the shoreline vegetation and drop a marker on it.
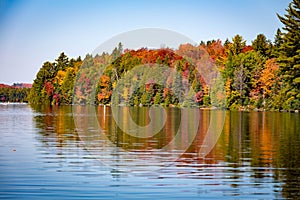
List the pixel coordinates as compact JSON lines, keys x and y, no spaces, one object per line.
{"x":16,"y":93}
{"x":3,"y":103}
{"x":264,"y":75}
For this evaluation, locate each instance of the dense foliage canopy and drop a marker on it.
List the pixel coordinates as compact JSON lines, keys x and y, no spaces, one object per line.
{"x":14,"y":93}
{"x":233,"y":75}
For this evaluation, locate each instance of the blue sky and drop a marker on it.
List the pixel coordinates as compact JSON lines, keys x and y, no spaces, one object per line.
{"x":32,"y":32}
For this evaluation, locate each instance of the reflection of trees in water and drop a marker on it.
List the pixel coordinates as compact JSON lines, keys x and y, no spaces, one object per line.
{"x":140,"y":115}
{"x":289,"y":154}
{"x":56,"y":125}
{"x":266,"y":143}
{"x":60,"y":148}
{"x":272,"y":141}
{"x":156,"y":141}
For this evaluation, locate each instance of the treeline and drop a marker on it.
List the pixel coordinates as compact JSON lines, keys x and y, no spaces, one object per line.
{"x":14,"y":93}
{"x":263,"y":75}
{"x":54,"y":83}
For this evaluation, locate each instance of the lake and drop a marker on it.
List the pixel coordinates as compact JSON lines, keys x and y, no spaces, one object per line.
{"x":85,"y":152}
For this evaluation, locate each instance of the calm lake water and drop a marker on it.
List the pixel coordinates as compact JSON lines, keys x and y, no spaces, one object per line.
{"x":98,"y":153}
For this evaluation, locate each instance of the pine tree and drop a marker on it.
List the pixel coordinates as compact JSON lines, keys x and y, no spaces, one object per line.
{"x":177,"y":88}
{"x":289,"y":55}
{"x":278,"y":41}
{"x":62,"y":61}
{"x":238,"y":43}
{"x":168,"y":99}
{"x":158,"y":60}
{"x":278,"y":38}
{"x":134,"y":98}
{"x":226,"y":43}
{"x":158,"y":98}
{"x":260,"y":44}
{"x":190,"y":99}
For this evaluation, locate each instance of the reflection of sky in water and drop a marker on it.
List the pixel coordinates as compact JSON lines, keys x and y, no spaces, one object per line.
{"x":41,"y":156}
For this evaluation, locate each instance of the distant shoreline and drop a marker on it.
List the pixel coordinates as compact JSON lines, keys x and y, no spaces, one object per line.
{"x":13,"y":103}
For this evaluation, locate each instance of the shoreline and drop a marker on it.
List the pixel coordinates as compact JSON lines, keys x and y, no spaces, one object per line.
{"x":200,"y":108}
{"x":14,"y":103}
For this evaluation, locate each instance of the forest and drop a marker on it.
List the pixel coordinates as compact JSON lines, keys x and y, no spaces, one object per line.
{"x":18,"y":92}
{"x":263,"y":75}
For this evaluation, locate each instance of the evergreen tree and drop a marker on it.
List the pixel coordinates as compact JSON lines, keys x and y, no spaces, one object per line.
{"x":67,"y":88}
{"x":158,"y":98}
{"x":278,"y":38}
{"x":226,"y":43}
{"x":189,"y":101}
{"x":134,"y":97}
{"x":196,"y":85}
{"x":202,"y":43}
{"x":278,"y":41}
{"x":238,"y":43}
{"x":289,"y":55}
{"x":158,"y":60}
{"x":120,"y":48}
{"x":79,"y":59}
{"x":168,"y":99}
{"x":37,"y":92}
{"x":177,"y":89}
{"x":166,"y":60}
{"x":146,"y":98}
{"x":261,"y":45}
{"x":117,"y":52}
{"x":62,"y":61}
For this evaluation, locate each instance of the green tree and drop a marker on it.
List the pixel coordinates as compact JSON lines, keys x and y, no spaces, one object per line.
{"x":238,"y":43}
{"x":135,"y":94}
{"x":166,"y":60}
{"x":196,"y":85}
{"x":177,"y":89}
{"x":62,"y":61}
{"x":168,"y":99}
{"x":117,"y":52}
{"x":158,"y":98}
{"x":146,"y":98}
{"x":158,"y":60}
{"x":226,"y":43}
{"x":190,"y":99}
{"x":67,"y":87}
{"x":278,"y":40}
{"x":244,"y":70}
{"x":46,"y":73}
{"x":261,"y":44}
{"x":289,"y":56}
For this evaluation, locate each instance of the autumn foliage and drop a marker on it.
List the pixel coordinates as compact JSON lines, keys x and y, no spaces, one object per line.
{"x":232,"y":75}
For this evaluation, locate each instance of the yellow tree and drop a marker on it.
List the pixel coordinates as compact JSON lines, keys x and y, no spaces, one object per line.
{"x":59,"y":78}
